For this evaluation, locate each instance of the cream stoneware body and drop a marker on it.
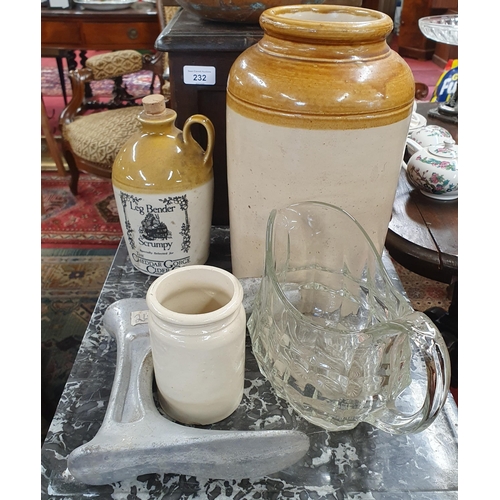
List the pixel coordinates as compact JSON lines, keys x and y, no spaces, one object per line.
{"x":163,"y":186}
{"x":319,"y":109}
{"x":197,"y":330}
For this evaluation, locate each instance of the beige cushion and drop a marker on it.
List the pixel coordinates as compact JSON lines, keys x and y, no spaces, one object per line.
{"x":98,"y":137}
{"x":113,"y":64}
{"x":170,"y":12}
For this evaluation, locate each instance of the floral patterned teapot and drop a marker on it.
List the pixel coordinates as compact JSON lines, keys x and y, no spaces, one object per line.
{"x":434,"y":169}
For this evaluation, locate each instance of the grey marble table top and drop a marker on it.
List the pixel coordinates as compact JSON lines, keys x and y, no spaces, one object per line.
{"x":361,"y":464}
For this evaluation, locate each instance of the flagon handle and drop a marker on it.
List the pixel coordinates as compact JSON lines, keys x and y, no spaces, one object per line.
{"x":209,"y":127}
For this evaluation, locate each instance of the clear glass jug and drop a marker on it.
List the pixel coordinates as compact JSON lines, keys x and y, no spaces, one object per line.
{"x":334,"y":336}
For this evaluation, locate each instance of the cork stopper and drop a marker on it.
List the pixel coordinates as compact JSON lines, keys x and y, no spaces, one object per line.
{"x":154,"y":104}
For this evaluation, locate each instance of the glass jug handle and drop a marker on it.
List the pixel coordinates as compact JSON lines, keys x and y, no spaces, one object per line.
{"x":187,"y":136}
{"x":427,"y":340}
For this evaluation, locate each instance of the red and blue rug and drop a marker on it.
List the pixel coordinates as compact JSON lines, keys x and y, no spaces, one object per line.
{"x":88,"y":220}
{"x":80,"y":235}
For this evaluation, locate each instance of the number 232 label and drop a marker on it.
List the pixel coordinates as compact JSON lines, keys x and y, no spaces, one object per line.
{"x":199,"y":75}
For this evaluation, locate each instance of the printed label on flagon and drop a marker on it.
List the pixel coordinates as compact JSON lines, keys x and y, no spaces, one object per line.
{"x":156,"y":230}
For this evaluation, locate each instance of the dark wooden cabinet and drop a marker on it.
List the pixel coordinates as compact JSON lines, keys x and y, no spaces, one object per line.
{"x":411,"y":41}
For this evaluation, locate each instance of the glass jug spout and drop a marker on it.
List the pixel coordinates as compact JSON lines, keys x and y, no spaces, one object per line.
{"x":332,"y":333}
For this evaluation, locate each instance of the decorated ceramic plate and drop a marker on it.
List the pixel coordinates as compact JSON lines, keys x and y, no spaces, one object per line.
{"x":105,"y":4}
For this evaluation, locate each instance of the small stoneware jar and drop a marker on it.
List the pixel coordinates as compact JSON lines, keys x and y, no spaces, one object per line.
{"x":434,"y":170}
{"x":429,"y":135}
{"x":197,"y":328}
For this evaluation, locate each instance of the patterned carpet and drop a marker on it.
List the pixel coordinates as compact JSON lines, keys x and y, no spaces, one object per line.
{"x":87,"y":220}
{"x":423,"y":292}
{"x":71,"y":283}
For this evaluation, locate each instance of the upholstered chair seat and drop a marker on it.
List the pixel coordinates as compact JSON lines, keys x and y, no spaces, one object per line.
{"x":99,"y":137}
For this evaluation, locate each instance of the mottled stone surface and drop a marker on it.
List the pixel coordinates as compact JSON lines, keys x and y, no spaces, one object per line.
{"x":362,"y":464}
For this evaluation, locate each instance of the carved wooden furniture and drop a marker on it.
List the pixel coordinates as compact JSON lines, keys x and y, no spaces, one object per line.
{"x":86,"y":146}
{"x":91,"y":141}
{"x":82,"y":29}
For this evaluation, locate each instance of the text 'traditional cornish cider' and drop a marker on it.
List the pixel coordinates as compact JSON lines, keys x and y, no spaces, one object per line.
{"x":163,"y":186}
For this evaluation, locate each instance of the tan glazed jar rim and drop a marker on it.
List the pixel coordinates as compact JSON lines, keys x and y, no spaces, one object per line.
{"x":322,"y":67}
{"x":326,"y":22}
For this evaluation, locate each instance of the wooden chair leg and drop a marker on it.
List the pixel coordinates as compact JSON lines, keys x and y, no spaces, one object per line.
{"x":73,"y":171}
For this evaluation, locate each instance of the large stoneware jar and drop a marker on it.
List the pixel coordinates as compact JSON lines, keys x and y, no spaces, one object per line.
{"x":318,"y":110}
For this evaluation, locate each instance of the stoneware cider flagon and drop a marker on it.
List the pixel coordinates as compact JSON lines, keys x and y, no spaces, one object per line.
{"x":163,"y":185}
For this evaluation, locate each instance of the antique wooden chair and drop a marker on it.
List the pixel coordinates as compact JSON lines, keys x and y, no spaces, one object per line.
{"x":94,"y":131}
